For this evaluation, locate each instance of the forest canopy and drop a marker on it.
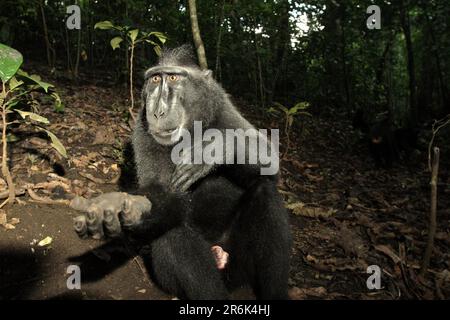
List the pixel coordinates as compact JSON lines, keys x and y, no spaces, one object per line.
{"x":320,"y":51}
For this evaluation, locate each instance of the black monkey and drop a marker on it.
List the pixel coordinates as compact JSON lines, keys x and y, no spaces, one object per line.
{"x":388,"y":145}
{"x":382,"y":144}
{"x":197,"y":218}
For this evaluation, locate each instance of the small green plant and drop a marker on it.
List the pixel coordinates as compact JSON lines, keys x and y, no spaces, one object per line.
{"x":17,"y":92}
{"x":132,"y":36}
{"x":289,"y":116}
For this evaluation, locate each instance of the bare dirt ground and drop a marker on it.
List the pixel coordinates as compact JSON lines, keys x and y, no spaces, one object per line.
{"x":345,"y":214}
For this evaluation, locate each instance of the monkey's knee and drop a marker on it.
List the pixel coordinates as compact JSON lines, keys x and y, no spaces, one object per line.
{"x":182,"y":264}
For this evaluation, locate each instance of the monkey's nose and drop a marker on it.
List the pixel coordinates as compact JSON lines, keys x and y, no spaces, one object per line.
{"x":159,"y":114}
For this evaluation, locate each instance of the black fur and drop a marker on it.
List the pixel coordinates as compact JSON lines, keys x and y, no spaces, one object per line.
{"x":233,"y":206}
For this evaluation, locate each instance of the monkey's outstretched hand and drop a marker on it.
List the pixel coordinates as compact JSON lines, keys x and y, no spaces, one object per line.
{"x":108,"y":214}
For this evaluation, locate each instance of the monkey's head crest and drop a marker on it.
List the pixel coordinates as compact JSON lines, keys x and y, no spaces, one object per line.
{"x":180,"y":56}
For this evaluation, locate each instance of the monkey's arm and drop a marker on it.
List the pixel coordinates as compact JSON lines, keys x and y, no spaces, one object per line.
{"x":170,"y":211}
{"x":245,"y":176}
{"x":112,"y":213}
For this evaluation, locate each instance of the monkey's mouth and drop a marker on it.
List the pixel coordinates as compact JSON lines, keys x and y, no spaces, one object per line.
{"x":166,"y":134}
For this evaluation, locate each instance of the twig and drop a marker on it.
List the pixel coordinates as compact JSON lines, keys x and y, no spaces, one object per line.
{"x":45,"y":200}
{"x":5,"y":193}
{"x":131,"y":109}
{"x":136,"y":260}
{"x":437,"y":125}
{"x":5,"y":170}
{"x":432,"y":225}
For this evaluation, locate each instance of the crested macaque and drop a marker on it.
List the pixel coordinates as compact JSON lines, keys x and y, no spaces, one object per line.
{"x":382,"y":144}
{"x":388,"y":145}
{"x":210,"y":227}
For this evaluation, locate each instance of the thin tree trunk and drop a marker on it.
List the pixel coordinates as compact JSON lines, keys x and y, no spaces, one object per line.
{"x":131,"y":109}
{"x":435,"y":50}
{"x":5,"y":170}
{"x":47,"y":42}
{"x":77,"y":61}
{"x":69,"y":58}
{"x":219,"y":41}
{"x":200,"y":48}
{"x":432,"y":225}
{"x":411,"y":66}
{"x":283,"y":42}
{"x":344,"y":67}
{"x":261,"y":79}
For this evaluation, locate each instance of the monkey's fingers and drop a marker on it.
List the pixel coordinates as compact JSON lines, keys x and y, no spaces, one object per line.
{"x":80,"y":226}
{"x":190,"y":177}
{"x":182,"y":177}
{"x":111,"y":223}
{"x":131,"y":213}
{"x":94,"y":221}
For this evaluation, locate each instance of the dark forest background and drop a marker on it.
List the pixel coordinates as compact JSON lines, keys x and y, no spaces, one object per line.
{"x":258,"y":51}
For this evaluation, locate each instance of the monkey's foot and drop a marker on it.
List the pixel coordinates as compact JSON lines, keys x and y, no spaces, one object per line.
{"x":221,"y":257}
{"x":108,"y":214}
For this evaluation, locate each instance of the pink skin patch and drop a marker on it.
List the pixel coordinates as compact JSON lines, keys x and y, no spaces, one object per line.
{"x":221,"y":257}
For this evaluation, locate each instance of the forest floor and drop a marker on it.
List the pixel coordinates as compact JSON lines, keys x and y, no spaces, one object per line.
{"x":345,"y":214}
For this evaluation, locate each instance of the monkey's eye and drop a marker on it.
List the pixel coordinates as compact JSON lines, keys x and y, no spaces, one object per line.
{"x":173,"y":77}
{"x":156,"y":79}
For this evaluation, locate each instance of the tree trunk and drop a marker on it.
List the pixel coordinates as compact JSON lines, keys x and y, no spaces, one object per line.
{"x":406,"y":27}
{"x":219,"y":41}
{"x":47,"y":41}
{"x":200,"y":48}
{"x":283,"y":42}
{"x":77,"y":60}
{"x":436,"y":50}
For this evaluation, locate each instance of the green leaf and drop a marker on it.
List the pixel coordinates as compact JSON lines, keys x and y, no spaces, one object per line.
{"x":12,"y":138}
{"x":11,"y":103}
{"x":36,"y":79}
{"x":281,"y":107}
{"x":151,"y":42}
{"x":157,"y":50}
{"x":104,"y":25}
{"x":290,"y":121}
{"x":10,"y":61}
{"x":33,"y":116}
{"x":302,"y":105}
{"x":59,"y":106}
{"x":14,"y":83}
{"x":161,"y":36}
{"x":115,"y":42}
{"x":133,"y":34}
{"x":56,"y":144}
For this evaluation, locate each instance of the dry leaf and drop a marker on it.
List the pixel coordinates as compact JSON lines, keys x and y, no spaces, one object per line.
{"x":45,"y":242}
{"x":388,"y":251}
{"x":299,"y":209}
{"x":303,"y":293}
{"x":9,"y":226}
{"x":3,"y":218}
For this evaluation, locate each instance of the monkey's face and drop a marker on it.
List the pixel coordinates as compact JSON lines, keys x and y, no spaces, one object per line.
{"x":174,"y":97}
{"x":163,"y":96}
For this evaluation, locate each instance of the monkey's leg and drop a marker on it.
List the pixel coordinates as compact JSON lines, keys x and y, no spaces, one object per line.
{"x":182,"y":264}
{"x":260,"y":243}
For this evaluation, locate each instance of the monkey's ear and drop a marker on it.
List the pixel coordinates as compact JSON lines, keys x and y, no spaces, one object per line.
{"x":208,"y":74}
